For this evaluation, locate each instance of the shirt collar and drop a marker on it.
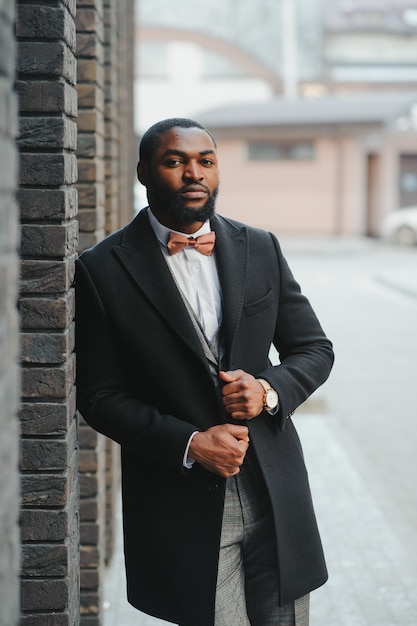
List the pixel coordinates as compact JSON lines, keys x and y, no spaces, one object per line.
{"x":162,"y":232}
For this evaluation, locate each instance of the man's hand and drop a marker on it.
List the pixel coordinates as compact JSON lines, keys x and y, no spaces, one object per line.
{"x":242,"y":394}
{"x":220,"y":449}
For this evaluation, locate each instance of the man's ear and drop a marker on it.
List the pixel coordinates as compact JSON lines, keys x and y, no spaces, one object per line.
{"x":142,"y":170}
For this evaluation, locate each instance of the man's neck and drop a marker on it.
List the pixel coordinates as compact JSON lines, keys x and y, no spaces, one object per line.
{"x":186,"y":229}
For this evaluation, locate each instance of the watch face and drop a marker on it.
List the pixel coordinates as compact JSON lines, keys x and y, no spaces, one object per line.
{"x":271,"y":399}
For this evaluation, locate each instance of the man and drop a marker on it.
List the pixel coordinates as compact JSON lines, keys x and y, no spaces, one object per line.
{"x":172,"y":351}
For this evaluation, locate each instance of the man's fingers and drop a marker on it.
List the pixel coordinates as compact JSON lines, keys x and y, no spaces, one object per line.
{"x":221,"y":449}
{"x":231,"y":375}
{"x":239,"y":432}
{"x":242,"y":394}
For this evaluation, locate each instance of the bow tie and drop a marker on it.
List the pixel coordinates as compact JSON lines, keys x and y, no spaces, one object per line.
{"x":203,"y":243}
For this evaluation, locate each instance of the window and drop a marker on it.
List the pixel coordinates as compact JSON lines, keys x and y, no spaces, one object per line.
{"x":288,"y":151}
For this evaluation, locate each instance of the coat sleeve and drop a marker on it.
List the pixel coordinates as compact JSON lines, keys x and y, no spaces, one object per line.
{"x":103,"y":396}
{"x":306,"y":354}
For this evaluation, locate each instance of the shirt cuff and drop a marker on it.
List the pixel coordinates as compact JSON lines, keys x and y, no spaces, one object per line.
{"x":274,"y":411}
{"x":186,"y":461}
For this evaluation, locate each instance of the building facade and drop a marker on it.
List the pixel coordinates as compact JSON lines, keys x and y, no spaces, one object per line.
{"x":330,"y":166}
{"x":67,"y":146}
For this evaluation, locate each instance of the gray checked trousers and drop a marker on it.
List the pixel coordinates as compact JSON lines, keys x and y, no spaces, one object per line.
{"x":247,"y":583}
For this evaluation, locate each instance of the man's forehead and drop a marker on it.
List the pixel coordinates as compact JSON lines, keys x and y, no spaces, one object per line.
{"x":185,"y":140}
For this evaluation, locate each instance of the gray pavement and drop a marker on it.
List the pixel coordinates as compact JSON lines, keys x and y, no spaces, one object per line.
{"x":364,"y":496}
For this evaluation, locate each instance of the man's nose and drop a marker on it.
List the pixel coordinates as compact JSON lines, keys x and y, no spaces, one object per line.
{"x":193,"y":171}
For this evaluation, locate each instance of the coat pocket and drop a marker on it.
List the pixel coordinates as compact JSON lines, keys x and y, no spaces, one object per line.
{"x":253,"y":308}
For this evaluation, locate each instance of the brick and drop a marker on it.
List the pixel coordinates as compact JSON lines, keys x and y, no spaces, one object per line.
{"x":89,"y":580}
{"x":47,"y":132}
{"x":88,"y":437}
{"x":47,"y":619}
{"x":112,"y":146}
{"x":89,"y":533}
{"x":98,"y":4}
{"x":46,"y":58}
{"x":91,"y":195}
{"x":49,"y":312}
{"x":90,"y":120}
{"x":47,"y":348}
{"x":39,"y":22}
{"x":45,"y":454}
{"x":90,"y":96}
{"x":88,"y":461}
{"x":89,"y":604}
{"x":90,"y":620}
{"x":87,"y":44}
{"x":47,"y":418}
{"x":88,"y":510}
{"x":42,"y":561}
{"x":89,"y":556}
{"x":88,"y":19}
{"x":47,"y":276}
{"x":47,"y":204}
{"x":90,"y":170}
{"x":88,"y":485}
{"x":49,"y":240}
{"x":90,"y":71}
{"x":41,"y":525}
{"x":47,"y":169}
{"x":48,"y":382}
{"x":38,"y":595}
{"x":51,"y":96}
{"x":43,"y":490}
{"x":90,"y":144}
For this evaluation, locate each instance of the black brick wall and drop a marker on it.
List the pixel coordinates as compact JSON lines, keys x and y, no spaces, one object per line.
{"x":44,"y":479}
{"x":105,"y":47}
{"x":46,"y":75}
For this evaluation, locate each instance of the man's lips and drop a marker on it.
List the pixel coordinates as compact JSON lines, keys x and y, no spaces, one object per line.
{"x":194,"y":192}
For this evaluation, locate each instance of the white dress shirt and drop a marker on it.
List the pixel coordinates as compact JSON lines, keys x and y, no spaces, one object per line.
{"x":196,"y":275}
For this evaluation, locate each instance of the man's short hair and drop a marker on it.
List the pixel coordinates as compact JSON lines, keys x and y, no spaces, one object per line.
{"x":151,"y":137}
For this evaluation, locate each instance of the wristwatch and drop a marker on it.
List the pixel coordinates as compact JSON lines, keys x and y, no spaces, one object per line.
{"x":270,"y":398}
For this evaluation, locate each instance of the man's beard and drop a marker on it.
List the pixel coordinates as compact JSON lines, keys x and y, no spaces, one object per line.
{"x":183,"y":215}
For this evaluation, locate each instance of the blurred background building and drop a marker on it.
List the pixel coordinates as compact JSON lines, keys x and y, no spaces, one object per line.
{"x":312,"y":102}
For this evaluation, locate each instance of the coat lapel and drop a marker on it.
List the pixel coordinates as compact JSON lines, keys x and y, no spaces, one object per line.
{"x":232,"y":262}
{"x":140,"y":255}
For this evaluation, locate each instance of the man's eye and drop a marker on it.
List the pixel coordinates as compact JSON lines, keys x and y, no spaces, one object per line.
{"x":172,"y":162}
{"x":207,"y":162}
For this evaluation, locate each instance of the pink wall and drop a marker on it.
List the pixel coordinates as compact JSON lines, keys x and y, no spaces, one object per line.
{"x":283,"y":196}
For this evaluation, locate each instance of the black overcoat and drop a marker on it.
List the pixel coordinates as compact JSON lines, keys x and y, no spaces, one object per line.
{"x":143,"y":380}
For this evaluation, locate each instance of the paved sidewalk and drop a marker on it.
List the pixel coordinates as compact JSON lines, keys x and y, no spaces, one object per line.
{"x":373,"y":580}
